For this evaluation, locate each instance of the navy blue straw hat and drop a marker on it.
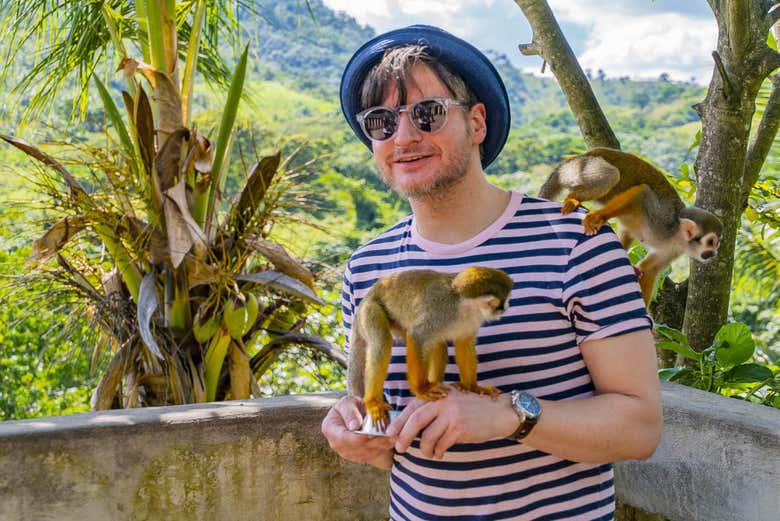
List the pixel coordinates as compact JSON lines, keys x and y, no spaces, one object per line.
{"x":459,"y":56}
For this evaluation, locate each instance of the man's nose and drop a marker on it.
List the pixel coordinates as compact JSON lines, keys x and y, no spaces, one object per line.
{"x":406,"y":133}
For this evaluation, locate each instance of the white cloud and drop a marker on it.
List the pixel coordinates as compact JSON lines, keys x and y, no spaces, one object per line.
{"x":633,"y":38}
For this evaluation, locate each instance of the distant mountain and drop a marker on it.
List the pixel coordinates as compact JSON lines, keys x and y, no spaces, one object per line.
{"x":310,"y":52}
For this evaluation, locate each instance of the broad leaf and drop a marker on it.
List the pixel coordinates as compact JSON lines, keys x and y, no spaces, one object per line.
{"x":748,"y":373}
{"x":147,"y":304}
{"x":55,"y":238}
{"x":281,"y":282}
{"x":680,"y":349}
{"x":671,"y":334}
{"x":673,"y":373}
{"x":735,"y":344}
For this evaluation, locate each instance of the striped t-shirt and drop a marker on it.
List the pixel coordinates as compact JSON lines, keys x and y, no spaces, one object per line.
{"x":568,"y":288}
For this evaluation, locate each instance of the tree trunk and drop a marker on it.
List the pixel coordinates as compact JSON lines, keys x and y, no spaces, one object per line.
{"x":743,"y":60}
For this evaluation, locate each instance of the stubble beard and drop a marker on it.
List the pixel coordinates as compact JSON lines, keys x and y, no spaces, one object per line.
{"x":450,"y":175}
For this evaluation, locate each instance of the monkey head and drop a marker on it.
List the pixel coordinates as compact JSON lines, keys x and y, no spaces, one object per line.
{"x":488,"y":288}
{"x":702,"y":230}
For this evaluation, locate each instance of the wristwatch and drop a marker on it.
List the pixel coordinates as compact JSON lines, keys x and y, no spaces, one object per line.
{"x":527,"y":409}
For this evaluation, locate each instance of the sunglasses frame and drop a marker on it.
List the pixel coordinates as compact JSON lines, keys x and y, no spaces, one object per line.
{"x":408,"y":108}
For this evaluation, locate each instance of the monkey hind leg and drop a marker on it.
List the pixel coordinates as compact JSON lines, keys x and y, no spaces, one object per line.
{"x":374,"y":325}
{"x":425,"y":369}
{"x":466,"y":358}
{"x":628,"y":201}
{"x":587,"y":178}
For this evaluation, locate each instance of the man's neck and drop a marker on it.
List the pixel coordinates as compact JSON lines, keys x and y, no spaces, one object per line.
{"x":460,"y":213}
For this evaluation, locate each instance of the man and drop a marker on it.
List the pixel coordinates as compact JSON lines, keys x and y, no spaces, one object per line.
{"x":573,"y":355}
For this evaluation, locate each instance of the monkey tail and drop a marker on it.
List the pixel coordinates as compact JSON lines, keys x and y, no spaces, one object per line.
{"x":551,"y":187}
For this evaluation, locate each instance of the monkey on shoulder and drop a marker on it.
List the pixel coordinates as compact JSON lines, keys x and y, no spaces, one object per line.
{"x":645,"y":204}
{"x":426,"y":309}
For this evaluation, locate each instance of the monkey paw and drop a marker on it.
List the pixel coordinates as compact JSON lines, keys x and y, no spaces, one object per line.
{"x":478,"y":389}
{"x":432,"y":392}
{"x":569,"y":205}
{"x":378,"y":411}
{"x":593,"y":222}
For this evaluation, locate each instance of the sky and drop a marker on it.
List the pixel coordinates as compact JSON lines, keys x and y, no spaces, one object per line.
{"x":637,"y":38}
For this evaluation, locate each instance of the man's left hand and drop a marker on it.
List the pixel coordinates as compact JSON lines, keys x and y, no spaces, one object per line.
{"x":460,"y":417}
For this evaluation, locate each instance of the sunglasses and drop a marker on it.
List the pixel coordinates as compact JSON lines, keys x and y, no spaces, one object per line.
{"x":428,"y":115}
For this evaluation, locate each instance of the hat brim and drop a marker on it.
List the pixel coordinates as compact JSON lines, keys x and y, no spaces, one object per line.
{"x":459,"y":56}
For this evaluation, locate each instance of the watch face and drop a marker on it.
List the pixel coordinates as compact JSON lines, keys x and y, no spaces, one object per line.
{"x":529,"y":403}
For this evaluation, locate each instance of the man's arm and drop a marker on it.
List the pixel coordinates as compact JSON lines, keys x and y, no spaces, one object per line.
{"x":622,"y":421}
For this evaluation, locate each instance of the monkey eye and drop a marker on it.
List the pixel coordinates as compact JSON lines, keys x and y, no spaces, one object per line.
{"x":697,"y":238}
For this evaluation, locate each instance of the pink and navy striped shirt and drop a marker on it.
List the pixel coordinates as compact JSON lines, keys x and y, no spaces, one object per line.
{"x":568,"y":288}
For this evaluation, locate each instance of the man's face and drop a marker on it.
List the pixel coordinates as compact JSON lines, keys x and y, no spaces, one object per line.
{"x":417,"y":164}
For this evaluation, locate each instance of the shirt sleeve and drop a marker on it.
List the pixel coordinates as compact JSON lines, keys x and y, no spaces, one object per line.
{"x":600,"y":290}
{"x":347,"y":305}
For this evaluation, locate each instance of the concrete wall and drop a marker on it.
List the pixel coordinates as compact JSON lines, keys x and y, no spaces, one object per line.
{"x":266,"y":460}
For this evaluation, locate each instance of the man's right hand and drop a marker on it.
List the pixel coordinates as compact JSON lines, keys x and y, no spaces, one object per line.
{"x":345,"y":417}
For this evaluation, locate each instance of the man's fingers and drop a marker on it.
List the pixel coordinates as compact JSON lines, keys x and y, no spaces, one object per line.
{"x":398,"y":423}
{"x":417,"y":421}
{"x":430,"y":436}
{"x":350,"y":410}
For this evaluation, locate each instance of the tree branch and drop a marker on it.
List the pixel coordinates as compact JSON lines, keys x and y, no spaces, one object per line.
{"x":723,"y":76}
{"x":739,"y":27}
{"x":771,"y":17}
{"x":762,"y":141}
{"x":550,"y":44}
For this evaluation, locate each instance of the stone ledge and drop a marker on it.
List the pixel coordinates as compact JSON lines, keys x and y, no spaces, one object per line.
{"x":719,"y":460}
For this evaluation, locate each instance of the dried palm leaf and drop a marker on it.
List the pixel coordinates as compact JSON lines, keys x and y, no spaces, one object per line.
{"x":45,"y":247}
{"x":281,"y":260}
{"x":281,"y":282}
{"x":147,"y":304}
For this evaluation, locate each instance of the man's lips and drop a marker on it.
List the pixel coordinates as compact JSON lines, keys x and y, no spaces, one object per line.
{"x":411,"y":158}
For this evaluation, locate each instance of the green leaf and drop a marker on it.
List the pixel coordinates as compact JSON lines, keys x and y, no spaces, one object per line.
{"x":118,"y":122}
{"x":672,"y":373}
{"x":748,"y":373}
{"x":680,"y":349}
{"x":771,"y":42}
{"x":734,"y":344}
{"x":221,"y":150}
{"x":671,"y":334}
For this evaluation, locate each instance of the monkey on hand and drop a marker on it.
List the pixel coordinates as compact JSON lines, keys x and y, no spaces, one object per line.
{"x":426,"y":308}
{"x":645,"y":204}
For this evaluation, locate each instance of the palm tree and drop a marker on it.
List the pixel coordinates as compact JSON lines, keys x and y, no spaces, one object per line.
{"x":194,"y":303}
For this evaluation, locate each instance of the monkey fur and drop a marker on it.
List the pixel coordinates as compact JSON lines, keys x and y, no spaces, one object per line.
{"x":426,"y":308}
{"x":645,"y":204}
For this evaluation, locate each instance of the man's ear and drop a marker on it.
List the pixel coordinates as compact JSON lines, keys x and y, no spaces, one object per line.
{"x":689,"y":229}
{"x":478,"y":122}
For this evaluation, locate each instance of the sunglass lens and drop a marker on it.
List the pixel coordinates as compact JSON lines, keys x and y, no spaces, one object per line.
{"x":380,"y":124}
{"x":429,"y":115}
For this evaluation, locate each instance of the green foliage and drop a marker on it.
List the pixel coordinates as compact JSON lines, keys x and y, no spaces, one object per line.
{"x":44,"y":366}
{"x":725,"y":367}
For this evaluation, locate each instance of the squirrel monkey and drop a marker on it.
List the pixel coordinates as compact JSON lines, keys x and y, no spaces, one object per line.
{"x":644,"y":202}
{"x":426,"y":308}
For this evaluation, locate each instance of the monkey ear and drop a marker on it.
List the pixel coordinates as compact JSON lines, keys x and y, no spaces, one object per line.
{"x":488,"y":304}
{"x":689,"y":229}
